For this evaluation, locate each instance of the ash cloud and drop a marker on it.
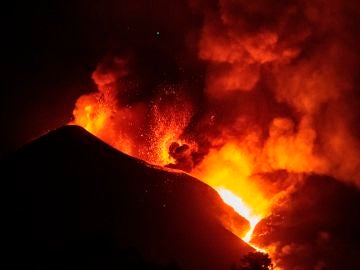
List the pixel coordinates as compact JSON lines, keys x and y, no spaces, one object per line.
{"x":284,"y":73}
{"x":303,"y":53}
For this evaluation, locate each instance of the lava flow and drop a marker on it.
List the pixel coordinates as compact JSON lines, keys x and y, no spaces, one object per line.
{"x":240,"y":207}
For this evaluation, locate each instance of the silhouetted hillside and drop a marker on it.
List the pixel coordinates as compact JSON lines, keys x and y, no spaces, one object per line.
{"x":319,"y":227}
{"x":74,"y":202}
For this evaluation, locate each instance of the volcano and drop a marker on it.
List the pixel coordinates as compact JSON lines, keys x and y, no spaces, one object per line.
{"x":75,"y":202}
{"x":259,"y":100}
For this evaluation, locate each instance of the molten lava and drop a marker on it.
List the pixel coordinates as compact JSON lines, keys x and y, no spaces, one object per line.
{"x":240,"y":207}
{"x":229,"y":171}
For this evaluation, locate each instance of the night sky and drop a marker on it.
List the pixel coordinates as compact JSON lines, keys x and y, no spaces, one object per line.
{"x":47,"y":56}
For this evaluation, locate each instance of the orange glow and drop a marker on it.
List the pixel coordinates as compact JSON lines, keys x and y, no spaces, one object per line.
{"x":231,"y":168}
{"x":90,"y":114}
{"x":94,"y":112}
{"x":167,"y":123}
{"x":229,"y":171}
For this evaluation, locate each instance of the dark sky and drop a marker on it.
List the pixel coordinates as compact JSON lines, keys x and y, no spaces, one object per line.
{"x":48,"y":53}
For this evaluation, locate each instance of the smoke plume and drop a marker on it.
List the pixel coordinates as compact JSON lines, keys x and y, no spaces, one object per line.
{"x":281,"y":73}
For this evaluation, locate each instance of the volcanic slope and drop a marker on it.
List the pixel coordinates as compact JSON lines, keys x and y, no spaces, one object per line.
{"x":74,"y":202}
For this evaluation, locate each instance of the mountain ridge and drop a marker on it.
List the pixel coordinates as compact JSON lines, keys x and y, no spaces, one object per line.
{"x":69,"y":188}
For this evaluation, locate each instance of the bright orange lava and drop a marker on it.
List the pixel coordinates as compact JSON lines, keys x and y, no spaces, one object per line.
{"x":241,"y":208}
{"x":244,"y":210}
{"x":229,"y":170}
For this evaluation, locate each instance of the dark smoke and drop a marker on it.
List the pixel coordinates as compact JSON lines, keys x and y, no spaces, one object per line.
{"x":317,"y":229}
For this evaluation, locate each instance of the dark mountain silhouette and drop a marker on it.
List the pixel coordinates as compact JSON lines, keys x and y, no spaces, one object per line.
{"x":73,"y":202}
{"x":319,"y":227}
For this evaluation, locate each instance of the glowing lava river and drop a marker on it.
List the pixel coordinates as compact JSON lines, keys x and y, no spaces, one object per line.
{"x":241,"y":208}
